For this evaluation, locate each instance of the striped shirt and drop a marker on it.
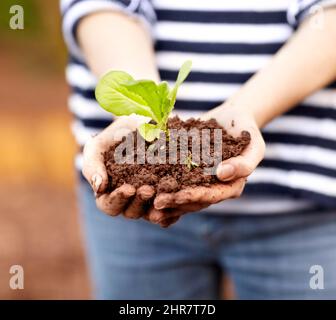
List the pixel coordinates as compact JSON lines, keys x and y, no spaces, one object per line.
{"x":227,"y":41}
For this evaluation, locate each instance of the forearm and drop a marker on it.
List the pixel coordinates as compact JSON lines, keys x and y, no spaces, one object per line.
{"x":305,"y":64}
{"x":114,"y":41}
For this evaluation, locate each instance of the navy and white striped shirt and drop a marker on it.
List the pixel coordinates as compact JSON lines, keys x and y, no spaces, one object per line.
{"x":227,"y":41}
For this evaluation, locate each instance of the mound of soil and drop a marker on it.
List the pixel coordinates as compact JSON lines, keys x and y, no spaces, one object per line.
{"x":166,"y":177}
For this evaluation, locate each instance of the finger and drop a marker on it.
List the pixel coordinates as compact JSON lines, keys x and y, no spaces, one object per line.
{"x":155,"y":215}
{"x":180,"y":211}
{"x":185,"y":208}
{"x":169,"y":221}
{"x":93,"y":154}
{"x":175,"y":214}
{"x":244,"y":164}
{"x":115,"y":202}
{"x":159,"y":216}
{"x":165,"y":200}
{"x":146,"y":216}
{"x":137,"y":207}
{"x":93,"y":165}
{"x":190,"y":195}
{"x":220,"y":192}
{"x":184,"y":196}
{"x":167,"y":217}
{"x":200,"y":195}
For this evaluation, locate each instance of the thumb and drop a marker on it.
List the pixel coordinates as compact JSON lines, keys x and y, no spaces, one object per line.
{"x":244,"y":164}
{"x":94,"y":169}
{"x":233,"y":168}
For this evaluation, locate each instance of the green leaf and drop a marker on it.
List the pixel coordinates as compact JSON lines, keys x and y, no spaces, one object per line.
{"x":118,"y":93}
{"x":163,"y":92}
{"x":150,"y":92}
{"x":114,"y":96}
{"x":182,"y":75}
{"x":149,"y":131}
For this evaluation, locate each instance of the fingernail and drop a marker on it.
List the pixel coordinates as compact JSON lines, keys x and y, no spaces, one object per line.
{"x":159,"y":205}
{"x":225,"y":171}
{"x":96,"y":182}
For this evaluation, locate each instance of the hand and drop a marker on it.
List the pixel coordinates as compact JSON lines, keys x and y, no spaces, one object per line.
{"x":125,"y":199}
{"x":168,"y":208}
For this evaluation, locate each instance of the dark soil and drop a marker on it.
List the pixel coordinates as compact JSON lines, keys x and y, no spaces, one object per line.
{"x":174,"y":177}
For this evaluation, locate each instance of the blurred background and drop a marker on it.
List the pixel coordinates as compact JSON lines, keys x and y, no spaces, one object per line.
{"x":39,"y":221}
{"x":39,"y":225}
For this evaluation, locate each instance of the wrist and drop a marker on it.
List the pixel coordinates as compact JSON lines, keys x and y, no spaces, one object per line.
{"x":232,"y":112}
{"x":250,"y":111}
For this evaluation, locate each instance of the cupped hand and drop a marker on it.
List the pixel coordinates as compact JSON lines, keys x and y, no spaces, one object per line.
{"x":236,"y":120}
{"x":126,"y":199}
{"x":233,"y":172}
{"x":169,"y":207}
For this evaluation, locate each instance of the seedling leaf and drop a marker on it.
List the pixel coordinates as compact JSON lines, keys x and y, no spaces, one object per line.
{"x":182,"y":75}
{"x":114,"y":96}
{"x":149,"y":131}
{"x":118,"y":93}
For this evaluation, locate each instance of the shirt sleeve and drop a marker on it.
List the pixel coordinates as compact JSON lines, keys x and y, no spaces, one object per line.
{"x":74,"y":10}
{"x":299,"y":9}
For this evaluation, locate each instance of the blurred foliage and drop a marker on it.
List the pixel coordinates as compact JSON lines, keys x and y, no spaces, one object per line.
{"x":40,"y":40}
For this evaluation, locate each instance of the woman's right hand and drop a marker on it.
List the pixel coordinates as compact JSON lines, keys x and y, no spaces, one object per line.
{"x":125,"y":199}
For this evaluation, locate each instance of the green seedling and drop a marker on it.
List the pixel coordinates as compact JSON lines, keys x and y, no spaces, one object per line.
{"x":118,"y":93}
{"x":189,"y":163}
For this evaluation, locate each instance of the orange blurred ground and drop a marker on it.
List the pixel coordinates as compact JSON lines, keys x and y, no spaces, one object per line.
{"x":39,"y":227}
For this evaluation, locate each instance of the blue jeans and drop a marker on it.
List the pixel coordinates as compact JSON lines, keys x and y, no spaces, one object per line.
{"x":267,"y":257}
